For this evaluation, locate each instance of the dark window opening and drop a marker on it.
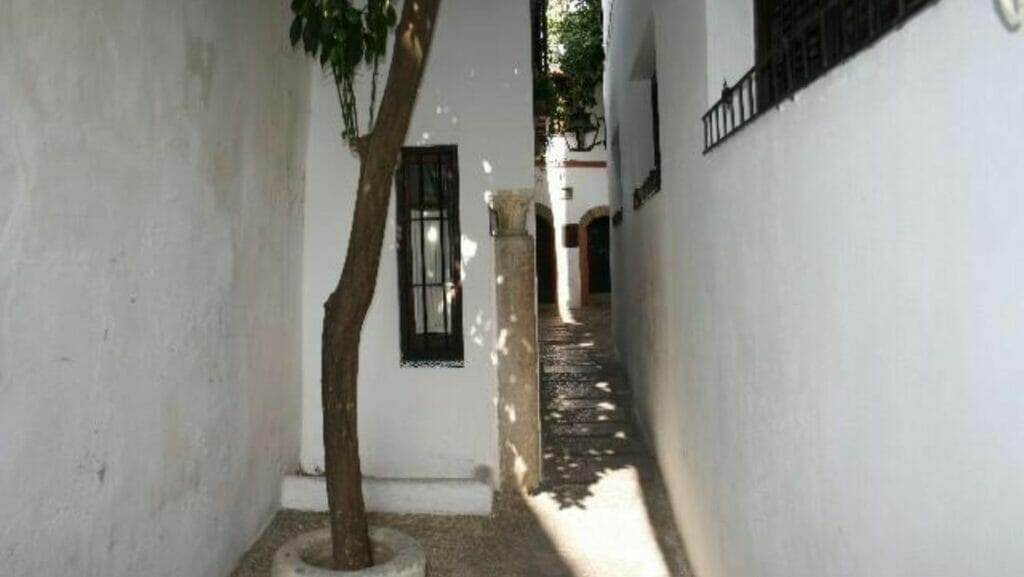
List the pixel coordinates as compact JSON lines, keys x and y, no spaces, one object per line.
{"x":571,"y":235}
{"x":616,"y":177}
{"x":599,"y":267}
{"x":547,"y":269}
{"x":429,"y":259}
{"x":652,"y":184}
{"x":796,"y":42}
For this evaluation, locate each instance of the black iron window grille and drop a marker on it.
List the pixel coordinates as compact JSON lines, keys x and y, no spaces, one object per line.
{"x":798,"y":41}
{"x":429,"y":259}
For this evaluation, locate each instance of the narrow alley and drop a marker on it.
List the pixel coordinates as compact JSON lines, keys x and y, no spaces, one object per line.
{"x":601,"y":510}
{"x":601,"y":491}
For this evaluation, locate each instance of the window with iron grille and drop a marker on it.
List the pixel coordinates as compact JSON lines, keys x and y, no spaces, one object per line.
{"x":429,"y":259}
{"x":797,"y":41}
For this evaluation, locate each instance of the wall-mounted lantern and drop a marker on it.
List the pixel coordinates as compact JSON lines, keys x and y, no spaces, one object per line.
{"x":584,"y":131}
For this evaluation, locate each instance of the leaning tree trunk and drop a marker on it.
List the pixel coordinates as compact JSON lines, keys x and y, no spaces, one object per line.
{"x":346,"y":308}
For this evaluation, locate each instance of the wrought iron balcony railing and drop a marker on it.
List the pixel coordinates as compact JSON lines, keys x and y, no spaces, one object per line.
{"x":804,"y":47}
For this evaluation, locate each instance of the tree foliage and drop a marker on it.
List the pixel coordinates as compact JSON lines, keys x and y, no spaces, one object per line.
{"x":343,"y":38}
{"x":576,"y":52}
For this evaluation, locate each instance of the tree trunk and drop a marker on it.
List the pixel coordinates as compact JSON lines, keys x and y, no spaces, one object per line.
{"x":346,"y":308}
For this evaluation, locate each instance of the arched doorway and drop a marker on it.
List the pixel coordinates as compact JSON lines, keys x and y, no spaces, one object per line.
{"x":595,"y":253}
{"x":547,"y":267}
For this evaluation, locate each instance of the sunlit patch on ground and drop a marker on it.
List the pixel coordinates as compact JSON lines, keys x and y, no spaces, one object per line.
{"x":609,"y":533}
{"x":602,"y":510}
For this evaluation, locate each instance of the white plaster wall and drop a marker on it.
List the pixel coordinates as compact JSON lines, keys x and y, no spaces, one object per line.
{"x":477,"y":93}
{"x":150,"y":207}
{"x":590,"y":190}
{"x":823,"y":317}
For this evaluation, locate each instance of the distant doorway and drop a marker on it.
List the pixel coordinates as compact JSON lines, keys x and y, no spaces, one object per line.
{"x":599,"y":255}
{"x":595,"y":254}
{"x":547,"y":268}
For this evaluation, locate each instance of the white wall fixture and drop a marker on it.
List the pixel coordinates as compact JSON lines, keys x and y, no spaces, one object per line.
{"x":1013,"y":13}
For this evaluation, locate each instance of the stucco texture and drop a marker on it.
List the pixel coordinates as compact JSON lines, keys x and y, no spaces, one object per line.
{"x":425,"y":423}
{"x":822,"y":317}
{"x":150,"y":211}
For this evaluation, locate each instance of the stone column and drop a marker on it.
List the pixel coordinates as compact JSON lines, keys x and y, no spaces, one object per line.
{"x":518,"y":390}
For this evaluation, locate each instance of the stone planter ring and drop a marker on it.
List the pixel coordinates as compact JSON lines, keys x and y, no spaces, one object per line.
{"x":396,"y":555}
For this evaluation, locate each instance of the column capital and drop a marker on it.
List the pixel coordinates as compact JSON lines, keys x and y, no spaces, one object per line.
{"x":512,"y":207}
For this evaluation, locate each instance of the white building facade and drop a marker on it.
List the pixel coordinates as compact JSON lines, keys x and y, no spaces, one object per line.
{"x":572,"y":189}
{"x":821,"y":316}
{"x":424,"y":422}
{"x":175,"y":201}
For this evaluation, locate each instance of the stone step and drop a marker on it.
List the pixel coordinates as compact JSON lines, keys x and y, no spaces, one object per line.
{"x":594,"y":446}
{"x":560,"y":352}
{"x":604,"y":390}
{"x":598,"y":412}
{"x":609,"y":430}
{"x":575,"y":404}
{"x":564,"y":472}
{"x":568,"y":350}
{"x":572,"y":470}
{"x":581,"y":372}
{"x":584,"y":375}
{"x":561,"y":360}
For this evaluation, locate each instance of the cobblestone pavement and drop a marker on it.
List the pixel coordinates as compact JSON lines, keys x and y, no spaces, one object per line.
{"x":601,"y":511}
{"x":587,"y":406}
{"x":597,"y":470}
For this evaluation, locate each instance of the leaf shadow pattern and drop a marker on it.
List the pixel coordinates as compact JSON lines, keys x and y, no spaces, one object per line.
{"x":589,"y":429}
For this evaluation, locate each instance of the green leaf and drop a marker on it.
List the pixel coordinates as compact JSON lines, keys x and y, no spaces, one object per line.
{"x":311,"y":34}
{"x":343,"y":38}
{"x":295,"y":33}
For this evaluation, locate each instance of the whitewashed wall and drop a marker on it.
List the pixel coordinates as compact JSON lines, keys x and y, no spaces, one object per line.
{"x":590,"y":190}
{"x":823,"y":318}
{"x":150,"y":208}
{"x":422,"y":423}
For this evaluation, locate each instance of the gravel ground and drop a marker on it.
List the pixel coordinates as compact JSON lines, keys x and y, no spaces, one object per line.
{"x":509,"y":543}
{"x":602,"y":510}
{"x":513,"y":542}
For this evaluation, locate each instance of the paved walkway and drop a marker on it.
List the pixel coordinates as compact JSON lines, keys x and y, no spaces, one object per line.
{"x":601,"y":510}
{"x":601,"y":487}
